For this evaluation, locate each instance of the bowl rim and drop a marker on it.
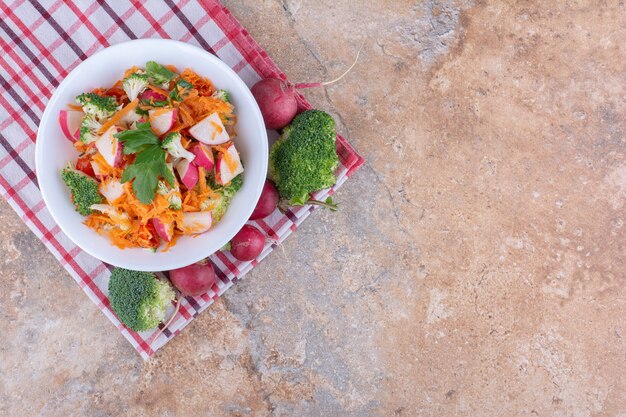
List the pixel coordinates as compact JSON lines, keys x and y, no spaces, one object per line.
{"x":47,"y":118}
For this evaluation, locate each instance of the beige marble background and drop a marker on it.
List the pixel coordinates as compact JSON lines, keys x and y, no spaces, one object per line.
{"x":477,"y":266}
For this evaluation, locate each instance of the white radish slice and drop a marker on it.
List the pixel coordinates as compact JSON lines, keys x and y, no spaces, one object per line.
{"x":204,"y":156}
{"x":188,"y":173}
{"x":164,"y":230}
{"x":196,"y":222}
{"x":111,"y":189}
{"x":210,"y":130}
{"x":110,"y":148}
{"x":228,"y":165}
{"x":162,"y":120}
{"x":70,"y":121}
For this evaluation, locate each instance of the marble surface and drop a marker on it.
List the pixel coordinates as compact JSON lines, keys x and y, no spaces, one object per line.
{"x":477,"y":266}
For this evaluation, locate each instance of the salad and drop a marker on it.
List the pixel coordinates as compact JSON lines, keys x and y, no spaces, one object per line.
{"x":157,"y":158}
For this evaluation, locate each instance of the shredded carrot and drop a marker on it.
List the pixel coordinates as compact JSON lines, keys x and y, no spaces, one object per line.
{"x":80,"y":146}
{"x":185,"y":142}
{"x":75,"y":107}
{"x":130,"y":71}
{"x":104,"y":166}
{"x":171,"y":68}
{"x":203,"y":85}
{"x":100,"y":91}
{"x":119,"y":115}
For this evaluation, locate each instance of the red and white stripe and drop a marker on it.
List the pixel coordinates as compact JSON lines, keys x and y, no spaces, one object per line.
{"x":38,"y":53}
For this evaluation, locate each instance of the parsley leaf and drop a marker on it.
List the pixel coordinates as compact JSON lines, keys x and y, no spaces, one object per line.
{"x":145,"y":172}
{"x":159,"y":73}
{"x":149,"y":163}
{"x":137,"y":140}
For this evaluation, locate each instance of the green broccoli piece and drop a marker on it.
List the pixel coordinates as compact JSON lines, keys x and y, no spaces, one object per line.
{"x":84,"y":189}
{"x":173,"y":196}
{"x":174,"y":147}
{"x":304,"y":158}
{"x":134,"y":85}
{"x":158,"y":73}
{"x":100,"y":107}
{"x":139,"y":299}
{"x":224,"y":196}
{"x":222,"y":95}
{"x":89,"y":129}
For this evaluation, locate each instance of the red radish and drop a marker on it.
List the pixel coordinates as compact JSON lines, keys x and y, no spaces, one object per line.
{"x":110,"y":148}
{"x":152,"y":95}
{"x":194,"y":279}
{"x":267,"y":202}
{"x":204,"y":156}
{"x":277,"y":102}
{"x":70,"y":121}
{"x":228,"y":165}
{"x":188,"y":173}
{"x":163,"y":229}
{"x":210,"y":130}
{"x":162,"y":120}
{"x":196,"y":222}
{"x":111,"y":189}
{"x":277,"y":99}
{"x":247,"y":244}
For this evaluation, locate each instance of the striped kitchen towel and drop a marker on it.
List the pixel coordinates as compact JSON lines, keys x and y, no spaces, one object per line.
{"x":42,"y":41}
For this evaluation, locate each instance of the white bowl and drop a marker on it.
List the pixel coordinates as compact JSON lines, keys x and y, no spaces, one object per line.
{"x":53,"y":151}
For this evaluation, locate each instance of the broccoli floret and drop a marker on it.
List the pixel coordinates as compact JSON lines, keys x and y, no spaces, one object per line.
{"x":172,"y":195}
{"x":224,"y":197}
{"x":304,"y":158}
{"x":222,"y":95}
{"x":158,"y":73}
{"x":134,"y":85}
{"x":100,"y":107}
{"x":84,"y":189}
{"x":89,"y":129}
{"x":172,"y":145}
{"x":138,"y":298}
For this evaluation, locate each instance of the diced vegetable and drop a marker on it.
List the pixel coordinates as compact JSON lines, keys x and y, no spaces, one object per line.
{"x":70,"y":121}
{"x":162,"y":120}
{"x":196,"y":222}
{"x":204,"y":156}
{"x":165,"y":230}
{"x":188,"y":173}
{"x":210,"y":130}
{"x":111,"y":189}
{"x":174,"y":147}
{"x":228,"y":165}
{"x":110,"y":148}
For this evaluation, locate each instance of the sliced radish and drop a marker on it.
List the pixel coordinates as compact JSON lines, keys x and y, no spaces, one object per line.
{"x":204,"y":156}
{"x":111,"y":189}
{"x":228,"y":165}
{"x":110,"y":148}
{"x":210,"y":130}
{"x":163,"y":229}
{"x":152,"y":95}
{"x":196,"y":222}
{"x":97,"y":170}
{"x":188,"y":173}
{"x":162,"y":120}
{"x":70,"y":121}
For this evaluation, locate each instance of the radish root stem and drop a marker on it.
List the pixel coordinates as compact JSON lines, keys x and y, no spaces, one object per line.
{"x":301,"y":86}
{"x":166,"y":325}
